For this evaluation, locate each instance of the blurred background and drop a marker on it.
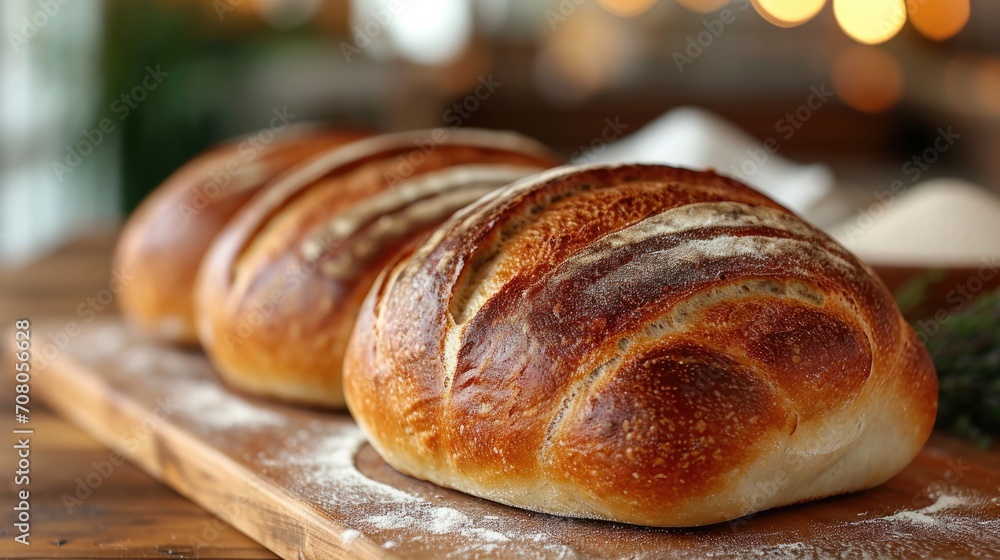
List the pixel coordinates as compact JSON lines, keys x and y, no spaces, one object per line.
{"x":101,"y":100}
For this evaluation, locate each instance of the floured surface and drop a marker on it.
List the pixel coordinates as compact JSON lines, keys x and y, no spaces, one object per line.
{"x":305,"y":484}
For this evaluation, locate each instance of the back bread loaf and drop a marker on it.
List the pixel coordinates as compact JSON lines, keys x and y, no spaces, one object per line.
{"x":281,"y":286}
{"x":640,"y":344}
{"x":164,"y":241}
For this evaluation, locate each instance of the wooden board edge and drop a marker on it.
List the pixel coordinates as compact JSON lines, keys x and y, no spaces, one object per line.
{"x":70,"y":390}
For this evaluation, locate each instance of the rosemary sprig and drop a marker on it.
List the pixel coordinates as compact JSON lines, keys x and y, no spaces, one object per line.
{"x":966,"y":353}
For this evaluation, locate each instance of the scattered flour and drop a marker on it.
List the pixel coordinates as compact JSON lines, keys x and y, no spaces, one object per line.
{"x":315,"y":458}
{"x":943,"y":503}
{"x":913,"y":517}
{"x":323,"y":463}
{"x":202,"y":399}
{"x":349,"y":536}
{"x":209,"y":405}
{"x":924,"y":515}
{"x":329,"y":456}
{"x":445,"y":520}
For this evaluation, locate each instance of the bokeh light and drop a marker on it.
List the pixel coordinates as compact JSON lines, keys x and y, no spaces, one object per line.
{"x":582,"y":55}
{"x":627,"y":8}
{"x":939,"y":19}
{"x":986,"y":86}
{"x":424,"y":31}
{"x":867,"y":78}
{"x":703,"y":6}
{"x":870,"y":21}
{"x":287,"y":14}
{"x":788,"y":13}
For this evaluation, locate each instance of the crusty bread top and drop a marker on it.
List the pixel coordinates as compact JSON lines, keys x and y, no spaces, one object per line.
{"x":560,"y":328}
{"x":280,"y":288}
{"x":316,"y":207}
{"x":164,"y":240}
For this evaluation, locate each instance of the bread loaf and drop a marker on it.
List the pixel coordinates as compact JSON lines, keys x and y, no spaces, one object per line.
{"x":281,"y":286}
{"x":165,"y":239}
{"x":639,"y":344}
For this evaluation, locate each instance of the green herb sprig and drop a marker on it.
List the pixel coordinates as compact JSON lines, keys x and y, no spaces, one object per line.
{"x":966,"y":354}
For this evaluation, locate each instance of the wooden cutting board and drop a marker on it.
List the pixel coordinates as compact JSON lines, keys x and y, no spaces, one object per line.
{"x":305,"y":484}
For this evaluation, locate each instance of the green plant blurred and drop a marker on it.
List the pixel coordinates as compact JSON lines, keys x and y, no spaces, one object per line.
{"x":966,"y":353}
{"x":197,"y":104}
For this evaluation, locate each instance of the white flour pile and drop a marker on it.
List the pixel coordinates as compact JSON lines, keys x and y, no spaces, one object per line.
{"x":924,"y":515}
{"x":944,"y":222}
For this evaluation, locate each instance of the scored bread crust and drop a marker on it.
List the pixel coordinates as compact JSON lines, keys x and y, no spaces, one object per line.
{"x":280,"y":287}
{"x":641,"y":344}
{"x":163,"y":242}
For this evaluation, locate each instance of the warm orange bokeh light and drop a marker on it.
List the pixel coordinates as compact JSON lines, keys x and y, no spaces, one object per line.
{"x":582,"y":55}
{"x":987,"y":86}
{"x":788,"y":13}
{"x":867,"y":78}
{"x":939,"y":19}
{"x":703,"y":6}
{"x":627,"y":8}
{"x":870,"y":21}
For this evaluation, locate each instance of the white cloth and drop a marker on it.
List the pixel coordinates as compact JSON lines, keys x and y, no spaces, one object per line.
{"x":693,"y":138}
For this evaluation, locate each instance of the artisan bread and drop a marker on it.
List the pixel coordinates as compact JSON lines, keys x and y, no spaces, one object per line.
{"x":280,"y":288}
{"x":164,"y":240}
{"x":639,"y":344}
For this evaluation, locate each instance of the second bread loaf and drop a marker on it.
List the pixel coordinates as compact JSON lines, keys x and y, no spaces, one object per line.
{"x":280,"y":288}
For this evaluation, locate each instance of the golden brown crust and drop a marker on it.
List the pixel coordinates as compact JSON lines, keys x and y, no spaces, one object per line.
{"x":637,"y":343}
{"x":281,"y":287}
{"x":164,"y":241}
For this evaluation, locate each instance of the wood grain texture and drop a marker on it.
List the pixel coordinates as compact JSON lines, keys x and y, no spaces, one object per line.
{"x":130,"y":515}
{"x":302,"y":483}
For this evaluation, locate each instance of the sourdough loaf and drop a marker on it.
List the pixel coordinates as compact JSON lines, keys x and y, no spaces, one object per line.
{"x":640,"y":344}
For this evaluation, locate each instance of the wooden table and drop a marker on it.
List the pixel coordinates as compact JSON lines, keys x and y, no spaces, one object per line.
{"x":130,"y":515}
